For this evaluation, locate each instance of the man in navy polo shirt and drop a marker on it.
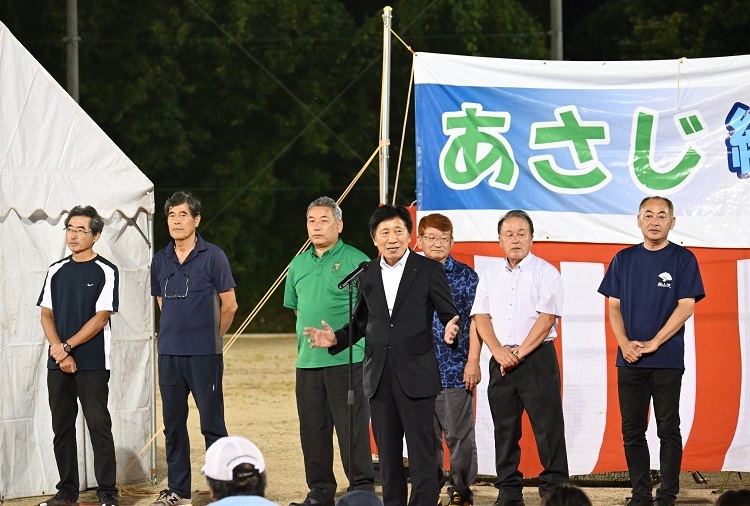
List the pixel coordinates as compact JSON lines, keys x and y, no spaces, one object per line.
{"x":79,"y":295}
{"x":193,"y":285}
{"x":652,"y":289}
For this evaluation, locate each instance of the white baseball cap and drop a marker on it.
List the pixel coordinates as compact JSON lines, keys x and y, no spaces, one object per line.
{"x":229,"y":452}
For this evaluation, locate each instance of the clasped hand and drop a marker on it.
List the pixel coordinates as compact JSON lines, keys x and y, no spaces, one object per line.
{"x":68,"y":365}
{"x":57,"y":352}
{"x":634,"y":350}
{"x":505,"y":358}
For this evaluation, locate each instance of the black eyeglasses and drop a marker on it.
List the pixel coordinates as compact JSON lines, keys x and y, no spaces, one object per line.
{"x":178,"y":296}
{"x":76,"y":231}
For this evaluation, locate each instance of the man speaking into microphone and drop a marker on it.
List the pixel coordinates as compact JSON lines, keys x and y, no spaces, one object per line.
{"x":397,"y":297}
{"x":313,"y":291}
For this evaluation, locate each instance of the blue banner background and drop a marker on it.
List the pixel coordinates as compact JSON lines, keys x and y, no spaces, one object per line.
{"x":525,"y":106}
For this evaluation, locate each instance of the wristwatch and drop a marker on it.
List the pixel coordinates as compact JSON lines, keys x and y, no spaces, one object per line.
{"x":67,"y":348}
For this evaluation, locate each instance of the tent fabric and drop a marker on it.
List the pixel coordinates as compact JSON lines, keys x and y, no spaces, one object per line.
{"x":42,"y":173}
{"x":53,"y":157}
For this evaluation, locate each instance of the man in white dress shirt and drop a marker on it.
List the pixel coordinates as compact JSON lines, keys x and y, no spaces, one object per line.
{"x":515,"y":313}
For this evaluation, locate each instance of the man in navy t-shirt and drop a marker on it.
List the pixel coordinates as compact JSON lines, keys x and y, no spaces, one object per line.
{"x":193,"y":285}
{"x":79,"y":294}
{"x":652,"y":289}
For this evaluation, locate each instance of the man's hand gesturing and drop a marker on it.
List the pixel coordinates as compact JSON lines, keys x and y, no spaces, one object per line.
{"x":451,"y":330}
{"x":320,"y":338}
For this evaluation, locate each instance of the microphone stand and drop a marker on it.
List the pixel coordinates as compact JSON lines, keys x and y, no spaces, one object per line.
{"x":350,"y":392}
{"x":349,"y":281}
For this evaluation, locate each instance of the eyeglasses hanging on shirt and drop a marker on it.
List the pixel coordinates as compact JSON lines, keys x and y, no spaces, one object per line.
{"x":178,"y":294}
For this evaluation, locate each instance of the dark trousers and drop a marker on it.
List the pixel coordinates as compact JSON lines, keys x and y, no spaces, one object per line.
{"x":92,"y":388}
{"x":636,"y":387}
{"x":533,"y":386}
{"x":322,"y":406}
{"x":395,"y":415}
{"x":179,"y":376}
{"x":454,"y":420}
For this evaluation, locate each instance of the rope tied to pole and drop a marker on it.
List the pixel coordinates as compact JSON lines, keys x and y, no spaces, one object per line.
{"x":403,"y":132}
{"x":407,"y":46}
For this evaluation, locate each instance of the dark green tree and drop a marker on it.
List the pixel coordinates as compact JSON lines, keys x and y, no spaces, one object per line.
{"x":645,"y":30}
{"x":260,"y":106}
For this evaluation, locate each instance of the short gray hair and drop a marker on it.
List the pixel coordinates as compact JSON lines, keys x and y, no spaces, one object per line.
{"x":329,"y":203}
{"x":517,"y":213}
{"x":183,"y":197}
{"x":670,"y":205}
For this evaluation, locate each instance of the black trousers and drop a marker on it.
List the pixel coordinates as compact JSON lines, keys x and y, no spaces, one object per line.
{"x":636,"y":387}
{"x":92,"y":389}
{"x":533,"y":386}
{"x":179,"y":376}
{"x":395,"y":415}
{"x":322,"y":406}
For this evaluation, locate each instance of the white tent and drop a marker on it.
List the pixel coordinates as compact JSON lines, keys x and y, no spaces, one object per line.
{"x":53,"y":157}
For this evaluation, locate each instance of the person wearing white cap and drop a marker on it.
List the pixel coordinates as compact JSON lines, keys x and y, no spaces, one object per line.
{"x":236,"y":472}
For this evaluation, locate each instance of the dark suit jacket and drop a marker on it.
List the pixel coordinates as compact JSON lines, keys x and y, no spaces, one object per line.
{"x":405,"y":338}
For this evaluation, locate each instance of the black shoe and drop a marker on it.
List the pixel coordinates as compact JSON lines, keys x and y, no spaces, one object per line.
{"x":663,"y":501}
{"x":509,"y":502}
{"x":640,"y":501}
{"x":60,"y":499}
{"x":457,"y":500}
{"x":309,"y":501}
{"x":108,"y":500}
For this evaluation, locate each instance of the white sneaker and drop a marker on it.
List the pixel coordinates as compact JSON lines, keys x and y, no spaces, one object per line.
{"x":167,"y":498}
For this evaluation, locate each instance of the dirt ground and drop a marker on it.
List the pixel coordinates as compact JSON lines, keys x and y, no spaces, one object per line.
{"x":260,"y":405}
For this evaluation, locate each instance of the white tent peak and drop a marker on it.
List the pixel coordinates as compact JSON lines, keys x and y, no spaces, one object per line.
{"x":79,"y":163}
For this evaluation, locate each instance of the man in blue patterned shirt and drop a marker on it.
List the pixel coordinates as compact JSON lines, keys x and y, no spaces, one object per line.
{"x":459,"y":365}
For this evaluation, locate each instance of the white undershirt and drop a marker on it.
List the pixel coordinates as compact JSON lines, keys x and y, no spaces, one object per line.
{"x":392,"y":278}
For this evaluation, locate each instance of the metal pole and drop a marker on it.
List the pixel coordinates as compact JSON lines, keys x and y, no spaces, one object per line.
{"x":385,"y":101}
{"x":350,"y":392}
{"x":556,"y":29}
{"x":154,"y":357}
{"x":72,"y":48}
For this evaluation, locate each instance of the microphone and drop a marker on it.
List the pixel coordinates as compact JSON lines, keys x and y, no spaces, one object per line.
{"x":354,"y":275}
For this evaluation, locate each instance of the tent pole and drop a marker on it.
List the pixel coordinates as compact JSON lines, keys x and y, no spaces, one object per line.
{"x":556,"y":29}
{"x":154,"y":355}
{"x":71,"y":41}
{"x":385,"y":99}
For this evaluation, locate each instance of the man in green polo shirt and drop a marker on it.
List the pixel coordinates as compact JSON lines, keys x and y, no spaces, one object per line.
{"x":322,"y":379}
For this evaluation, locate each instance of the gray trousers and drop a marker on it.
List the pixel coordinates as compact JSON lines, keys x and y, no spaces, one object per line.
{"x":454,"y":420}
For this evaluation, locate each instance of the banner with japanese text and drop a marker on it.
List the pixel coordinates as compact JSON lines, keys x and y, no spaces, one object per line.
{"x":579,"y":144}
